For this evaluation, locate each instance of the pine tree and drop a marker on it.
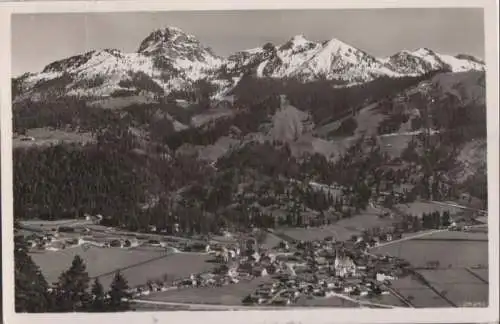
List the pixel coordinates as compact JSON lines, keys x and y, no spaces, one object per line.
{"x":98,"y":302}
{"x":72,"y":287}
{"x":30,"y":286}
{"x":119,"y":292}
{"x":445,"y":219}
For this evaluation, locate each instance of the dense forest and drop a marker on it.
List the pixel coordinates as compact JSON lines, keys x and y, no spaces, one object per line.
{"x":322,"y":99}
{"x":132,"y":175}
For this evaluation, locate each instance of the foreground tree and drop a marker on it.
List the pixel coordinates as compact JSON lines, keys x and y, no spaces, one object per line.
{"x":30,"y":286}
{"x":98,"y":301}
{"x":118,"y":294}
{"x":72,"y":288}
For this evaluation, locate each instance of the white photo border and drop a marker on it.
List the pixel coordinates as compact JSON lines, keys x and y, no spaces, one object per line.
{"x":400,"y":315}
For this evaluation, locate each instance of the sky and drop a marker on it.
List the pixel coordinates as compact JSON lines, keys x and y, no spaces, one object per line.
{"x":39,"y":39}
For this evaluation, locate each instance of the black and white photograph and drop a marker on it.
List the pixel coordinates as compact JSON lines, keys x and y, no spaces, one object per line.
{"x":251,"y":160}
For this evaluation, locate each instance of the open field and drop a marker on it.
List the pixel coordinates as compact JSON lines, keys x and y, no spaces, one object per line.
{"x":449,"y":276}
{"x":318,"y":233}
{"x":387,"y":300}
{"x":46,"y":136}
{"x":98,"y":260}
{"x":455,"y":251}
{"x":465,"y":294}
{"x":457,"y":236}
{"x":326,"y":302}
{"x":419,"y":207}
{"x":121,"y":102}
{"x":225,"y":295}
{"x":418,"y":294}
{"x":458,"y":254}
{"x":341,"y":230}
{"x":366,"y":220}
{"x":271,"y":241}
{"x":394,"y":145}
{"x":47,"y":226}
{"x":458,"y":285}
{"x":481,"y":273}
{"x":175,"y":266}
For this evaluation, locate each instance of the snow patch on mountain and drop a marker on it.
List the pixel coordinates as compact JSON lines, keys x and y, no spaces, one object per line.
{"x":174,"y":60}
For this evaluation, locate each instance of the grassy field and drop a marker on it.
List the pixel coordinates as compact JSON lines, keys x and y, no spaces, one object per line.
{"x":175,"y":266}
{"x":387,"y":300}
{"x":394,"y":145}
{"x":458,"y":285}
{"x":271,"y":241}
{"x":99,"y":261}
{"x":42,"y":225}
{"x":418,"y":208}
{"x":418,"y":294}
{"x":341,"y":230}
{"x":455,"y":235}
{"x":458,"y":254}
{"x":449,"y":276}
{"x":138,"y":265}
{"x":46,"y":136}
{"x":455,"y":252}
{"x":465,"y":294}
{"x":318,"y":233}
{"x":481,"y":273}
{"x":225,"y":295}
{"x":326,"y":302}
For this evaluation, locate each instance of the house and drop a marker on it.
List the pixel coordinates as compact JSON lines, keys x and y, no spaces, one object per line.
{"x":381,"y":277}
{"x":348,"y":289}
{"x":256,"y":257}
{"x":232,"y":271}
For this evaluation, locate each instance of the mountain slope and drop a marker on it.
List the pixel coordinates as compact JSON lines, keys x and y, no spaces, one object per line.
{"x":167,"y":60}
{"x":170,"y":60}
{"x":424,"y":60}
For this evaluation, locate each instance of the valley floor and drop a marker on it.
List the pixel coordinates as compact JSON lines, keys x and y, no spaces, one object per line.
{"x":460,"y":279}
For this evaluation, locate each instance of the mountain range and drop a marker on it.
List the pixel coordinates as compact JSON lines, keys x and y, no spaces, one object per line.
{"x":170,"y":60}
{"x":323,"y":113}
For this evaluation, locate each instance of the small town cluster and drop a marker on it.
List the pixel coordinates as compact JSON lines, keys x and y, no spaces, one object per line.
{"x":294,"y":269}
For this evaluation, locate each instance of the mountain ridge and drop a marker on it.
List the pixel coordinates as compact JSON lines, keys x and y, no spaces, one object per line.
{"x":175,"y":60}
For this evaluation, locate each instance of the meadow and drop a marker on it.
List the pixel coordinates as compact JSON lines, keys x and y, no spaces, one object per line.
{"x":452,"y":254}
{"x":419,"y":207}
{"x":341,"y":230}
{"x":137,"y":265}
{"x":231,"y":294}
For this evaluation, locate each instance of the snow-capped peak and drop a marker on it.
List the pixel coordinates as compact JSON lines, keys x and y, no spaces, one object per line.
{"x":299,"y":40}
{"x":336,"y":45}
{"x":423,"y":60}
{"x":175,"y":44}
{"x":422,"y":51}
{"x":174,"y":60}
{"x":163,"y":38}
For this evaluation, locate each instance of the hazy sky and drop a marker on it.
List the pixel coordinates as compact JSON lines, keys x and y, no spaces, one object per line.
{"x":38,"y":39}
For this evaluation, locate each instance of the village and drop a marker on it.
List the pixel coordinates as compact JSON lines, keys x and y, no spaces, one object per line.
{"x":294,"y":269}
